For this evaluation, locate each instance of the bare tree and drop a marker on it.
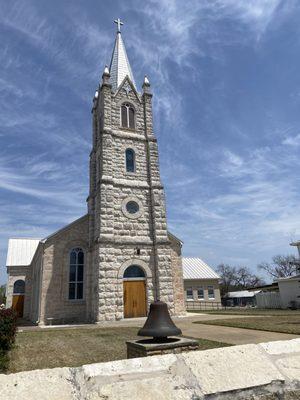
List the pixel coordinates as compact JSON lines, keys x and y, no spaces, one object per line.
{"x":228,"y":277}
{"x":237,"y":278}
{"x":281,"y":266}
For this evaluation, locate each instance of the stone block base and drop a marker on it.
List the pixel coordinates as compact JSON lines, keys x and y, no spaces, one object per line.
{"x":145,"y":347}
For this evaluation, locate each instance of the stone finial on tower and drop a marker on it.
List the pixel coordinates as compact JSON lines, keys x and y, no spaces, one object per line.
{"x":106,"y":76}
{"x":146,"y":85}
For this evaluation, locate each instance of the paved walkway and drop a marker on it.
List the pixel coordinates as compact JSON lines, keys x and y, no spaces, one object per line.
{"x":228,"y":334}
{"x":212,"y":332}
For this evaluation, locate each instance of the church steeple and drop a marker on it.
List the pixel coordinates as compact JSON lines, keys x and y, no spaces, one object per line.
{"x":119,"y":65}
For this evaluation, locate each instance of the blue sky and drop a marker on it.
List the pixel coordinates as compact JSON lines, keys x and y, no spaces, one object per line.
{"x":226,"y":83}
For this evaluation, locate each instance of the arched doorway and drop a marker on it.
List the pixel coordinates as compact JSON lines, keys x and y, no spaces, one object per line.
{"x":134,"y":287}
{"x":18,"y":297}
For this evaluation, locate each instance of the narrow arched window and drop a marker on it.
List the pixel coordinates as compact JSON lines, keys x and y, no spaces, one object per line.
{"x":76,"y":274}
{"x":127,"y":116}
{"x":130,"y":160}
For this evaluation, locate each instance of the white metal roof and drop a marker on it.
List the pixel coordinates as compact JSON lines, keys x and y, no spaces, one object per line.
{"x":21,"y":251}
{"x":242,"y":293}
{"x":195,"y":268}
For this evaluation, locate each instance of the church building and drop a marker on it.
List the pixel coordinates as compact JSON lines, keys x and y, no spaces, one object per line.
{"x":114,"y":261}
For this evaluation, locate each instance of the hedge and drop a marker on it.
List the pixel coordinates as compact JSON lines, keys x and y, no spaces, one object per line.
{"x":8,"y":328}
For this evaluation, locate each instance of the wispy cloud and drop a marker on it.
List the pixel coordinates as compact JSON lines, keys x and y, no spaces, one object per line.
{"x":292,"y":140}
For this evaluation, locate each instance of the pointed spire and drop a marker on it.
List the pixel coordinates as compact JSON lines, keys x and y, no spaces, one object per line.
{"x":119,"y":65}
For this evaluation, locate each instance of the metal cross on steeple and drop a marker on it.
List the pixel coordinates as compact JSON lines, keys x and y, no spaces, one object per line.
{"x":119,"y":23}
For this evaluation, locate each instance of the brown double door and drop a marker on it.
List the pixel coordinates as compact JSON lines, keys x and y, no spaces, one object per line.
{"x":134,"y":299}
{"x":18,"y":304}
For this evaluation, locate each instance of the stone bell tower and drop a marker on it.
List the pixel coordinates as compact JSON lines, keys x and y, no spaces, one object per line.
{"x":126,"y":204}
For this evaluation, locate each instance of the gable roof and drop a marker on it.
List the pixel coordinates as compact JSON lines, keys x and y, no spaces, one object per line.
{"x":65,"y":227}
{"x":21,"y":251}
{"x":195,"y":268}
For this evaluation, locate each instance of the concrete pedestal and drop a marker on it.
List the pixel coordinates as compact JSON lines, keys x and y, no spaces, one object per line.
{"x":145,"y":347}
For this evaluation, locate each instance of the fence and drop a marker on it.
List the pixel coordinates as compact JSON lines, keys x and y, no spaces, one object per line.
{"x":203,"y":305}
{"x":268,"y":300}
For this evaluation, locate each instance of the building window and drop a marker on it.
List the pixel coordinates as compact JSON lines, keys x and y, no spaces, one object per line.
{"x":130,"y":160}
{"x":211,"y":292}
{"x":127,"y":116}
{"x":19,"y":287}
{"x":189,"y":294}
{"x":132,"y":207}
{"x":200,"y":293}
{"x":134,"y":271}
{"x":76,"y":274}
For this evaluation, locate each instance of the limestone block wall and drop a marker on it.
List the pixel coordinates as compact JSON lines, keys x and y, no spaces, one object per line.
{"x":14,"y":274}
{"x":267,"y":371}
{"x":176,"y":260}
{"x":36,"y":276}
{"x":54,"y":302}
{"x":113,"y":260}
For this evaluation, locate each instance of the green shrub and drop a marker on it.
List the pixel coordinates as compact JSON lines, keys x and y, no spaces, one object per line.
{"x":8,"y":327}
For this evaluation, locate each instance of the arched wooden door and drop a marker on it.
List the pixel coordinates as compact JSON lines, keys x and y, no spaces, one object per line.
{"x":134,"y":288}
{"x":18,"y":297}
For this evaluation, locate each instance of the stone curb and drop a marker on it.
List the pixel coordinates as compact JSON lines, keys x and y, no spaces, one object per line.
{"x":265,"y":371}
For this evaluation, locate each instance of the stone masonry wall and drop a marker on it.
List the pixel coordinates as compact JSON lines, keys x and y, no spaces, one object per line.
{"x":116,"y":233}
{"x":55,"y":275}
{"x":112,"y":260}
{"x":267,"y":371}
{"x":176,"y":262}
{"x":16,"y":273}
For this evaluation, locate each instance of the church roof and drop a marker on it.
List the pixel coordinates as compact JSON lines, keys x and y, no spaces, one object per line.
{"x":195,"y":268}
{"x":119,"y":65}
{"x":21,"y":251}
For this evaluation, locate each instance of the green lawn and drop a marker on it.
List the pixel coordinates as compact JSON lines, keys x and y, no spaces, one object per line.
{"x":74,"y":347}
{"x":249,"y":311}
{"x":279,"y":323}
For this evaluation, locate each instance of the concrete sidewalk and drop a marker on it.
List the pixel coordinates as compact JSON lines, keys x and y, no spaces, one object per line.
{"x":230,"y":335}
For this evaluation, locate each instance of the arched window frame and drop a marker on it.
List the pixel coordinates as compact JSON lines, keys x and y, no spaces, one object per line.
{"x":130,"y":169}
{"x":76,"y":274}
{"x":19,"y":281}
{"x":141,"y":275}
{"x":126,"y":121}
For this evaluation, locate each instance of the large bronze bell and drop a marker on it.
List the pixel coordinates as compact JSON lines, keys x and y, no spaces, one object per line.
{"x":159,"y":324}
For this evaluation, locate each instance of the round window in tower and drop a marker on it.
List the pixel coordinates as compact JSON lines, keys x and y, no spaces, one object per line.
{"x":132,"y":207}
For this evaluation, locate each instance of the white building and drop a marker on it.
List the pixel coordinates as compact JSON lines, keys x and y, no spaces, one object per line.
{"x":201,"y":283}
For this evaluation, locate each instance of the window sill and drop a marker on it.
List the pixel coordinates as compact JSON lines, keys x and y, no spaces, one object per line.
{"x":127,"y":129}
{"x":76,"y":301}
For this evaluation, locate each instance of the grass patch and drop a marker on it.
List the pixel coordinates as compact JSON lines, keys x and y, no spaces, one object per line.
{"x":279,"y":323}
{"x":74,"y":347}
{"x":249,"y":311}
{"x":205,"y":344}
{"x":4,"y":361}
